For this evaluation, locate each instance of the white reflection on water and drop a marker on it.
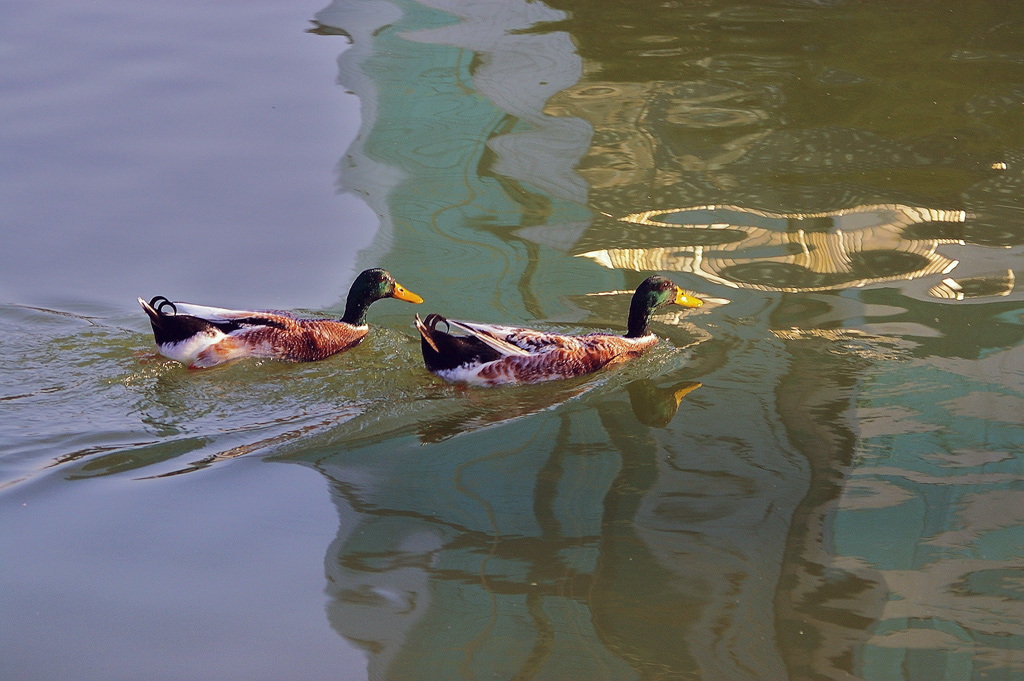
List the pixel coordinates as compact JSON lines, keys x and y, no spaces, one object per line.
{"x":792,"y":251}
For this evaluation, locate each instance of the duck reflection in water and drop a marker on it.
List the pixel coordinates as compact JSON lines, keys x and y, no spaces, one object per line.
{"x":498,"y":547}
{"x":652,"y":405}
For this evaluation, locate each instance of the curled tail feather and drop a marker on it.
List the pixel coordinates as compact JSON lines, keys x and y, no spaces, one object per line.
{"x":427,"y":328}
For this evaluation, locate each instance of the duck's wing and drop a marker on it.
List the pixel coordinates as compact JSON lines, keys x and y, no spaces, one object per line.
{"x":183,"y":331}
{"x":574,"y":356}
{"x":490,"y":335}
{"x":215,"y":315}
{"x":512,"y":341}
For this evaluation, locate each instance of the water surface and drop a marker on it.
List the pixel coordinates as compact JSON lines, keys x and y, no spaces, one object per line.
{"x":816,"y":475}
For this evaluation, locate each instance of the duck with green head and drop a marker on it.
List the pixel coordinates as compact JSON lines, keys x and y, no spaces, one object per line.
{"x":200,"y":336}
{"x":489,"y":354}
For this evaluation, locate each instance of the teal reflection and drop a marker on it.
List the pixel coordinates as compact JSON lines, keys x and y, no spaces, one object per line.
{"x":789,"y":517}
{"x":473,"y":182}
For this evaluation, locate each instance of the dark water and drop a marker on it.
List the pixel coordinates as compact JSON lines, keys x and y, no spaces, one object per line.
{"x":817,"y":475}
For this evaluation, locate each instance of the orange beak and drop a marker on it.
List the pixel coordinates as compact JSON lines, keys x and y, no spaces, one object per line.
{"x":404,"y":294}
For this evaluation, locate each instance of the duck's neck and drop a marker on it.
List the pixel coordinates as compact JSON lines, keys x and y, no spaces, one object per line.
{"x":639,"y":318}
{"x":355,"y":310}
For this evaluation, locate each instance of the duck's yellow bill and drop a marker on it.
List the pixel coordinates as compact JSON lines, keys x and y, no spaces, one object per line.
{"x":404,"y":294}
{"x":687,"y":301}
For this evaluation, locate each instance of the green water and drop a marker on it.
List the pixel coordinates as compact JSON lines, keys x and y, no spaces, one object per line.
{"x":817,"y":475}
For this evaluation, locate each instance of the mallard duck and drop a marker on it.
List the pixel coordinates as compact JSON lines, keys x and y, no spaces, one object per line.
{"x":200,"y":336}
{"x":490,"y":354}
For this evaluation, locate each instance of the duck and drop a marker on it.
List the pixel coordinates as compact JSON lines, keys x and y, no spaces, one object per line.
{"x":200,"y":337}
{"x":491,"y":354}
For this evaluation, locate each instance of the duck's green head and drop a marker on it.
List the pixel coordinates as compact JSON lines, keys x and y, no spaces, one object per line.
{"x":655,"y":292}
{"x":369,"y":286}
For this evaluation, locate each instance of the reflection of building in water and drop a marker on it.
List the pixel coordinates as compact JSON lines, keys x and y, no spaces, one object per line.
{"x":716,"y":142}
{"x":1000,"y":284}
{"x":456,"y":154}
{"x":902,"y":559}
{"x":941,"y":466}
{"x":627,"y":150}
{"x":713,"y":142}
{"x":791,"y":252}
{"x":581,"y":540}
{"x":899,"y":561}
